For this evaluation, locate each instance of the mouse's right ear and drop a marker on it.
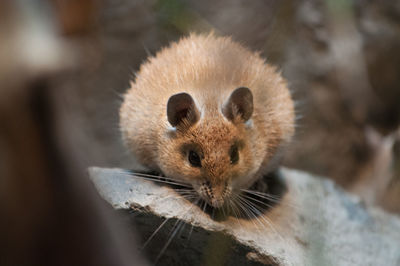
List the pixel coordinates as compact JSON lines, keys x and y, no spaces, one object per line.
{"x":239,"y":104}
{"x":181,"y":110}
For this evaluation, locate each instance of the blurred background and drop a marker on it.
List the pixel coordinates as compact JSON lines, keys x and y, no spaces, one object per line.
{"x":65,"y":64}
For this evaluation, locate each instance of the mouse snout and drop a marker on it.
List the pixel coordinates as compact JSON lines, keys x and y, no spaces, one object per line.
{"x":217,"y":202}
{"x":215,"y":194}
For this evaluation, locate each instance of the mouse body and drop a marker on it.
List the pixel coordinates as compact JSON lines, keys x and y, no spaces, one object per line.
{"x":208,"y":112}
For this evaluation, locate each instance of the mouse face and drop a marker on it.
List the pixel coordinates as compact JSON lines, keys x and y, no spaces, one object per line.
{"x":212,"y":152}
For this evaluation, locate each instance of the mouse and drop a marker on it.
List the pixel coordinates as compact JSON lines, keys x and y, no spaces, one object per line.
{"x":208,"y":112}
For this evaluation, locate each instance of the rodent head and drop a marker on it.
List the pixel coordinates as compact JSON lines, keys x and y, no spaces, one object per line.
{"x":185,"y":115}
{"x":209,"y":150}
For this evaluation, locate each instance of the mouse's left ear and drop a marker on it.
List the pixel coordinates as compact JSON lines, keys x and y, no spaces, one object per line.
{"x":182,"y":110}
{"x":240,"y":103}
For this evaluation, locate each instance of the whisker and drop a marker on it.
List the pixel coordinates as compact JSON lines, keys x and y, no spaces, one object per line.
{"x":154,"y":233}
{"x":223,"y":211}
{"x":156,"y":178}
{"x":186,"y":193}
{"x":255,"y":211}
{"x":163,"y":223}
{"x":160,"y":180}
{"x":248,"y":213}
{"x":205,"y":205}
{"x":232,"y":205}
{"x":270,"y":197}
{"x":190,"y":232}
{"x":242,"y":207}
{"x":188,"y":197}
{"x":266,"y":195}
{"x":269,"y":223}
{"x":258,"y":201}
{"x":191,"y":229}
{"x":252,"y":213}
{"x":175,"y":229}
{"x":184,"y":190}
{"x":181,"y":197}
{"x":178,"y":224}
{"x":192,"y":192}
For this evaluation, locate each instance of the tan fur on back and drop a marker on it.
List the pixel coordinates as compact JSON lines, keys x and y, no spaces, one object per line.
{"x":208,"y":68}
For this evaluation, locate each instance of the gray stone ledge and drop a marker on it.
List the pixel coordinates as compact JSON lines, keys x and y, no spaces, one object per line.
{"x":315,"y":223}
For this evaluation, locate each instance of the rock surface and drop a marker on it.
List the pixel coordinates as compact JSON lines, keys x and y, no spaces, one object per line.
{"x":314,"y":223}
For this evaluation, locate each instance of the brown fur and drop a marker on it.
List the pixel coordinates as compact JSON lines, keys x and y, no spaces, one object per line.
{"x":208,"y":68}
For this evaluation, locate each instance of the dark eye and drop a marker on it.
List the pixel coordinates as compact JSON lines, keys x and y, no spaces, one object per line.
{"x":194,"y":159}
{"x":234,"y":154}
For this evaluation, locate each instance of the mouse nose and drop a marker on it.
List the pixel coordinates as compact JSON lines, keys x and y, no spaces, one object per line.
{"x":216,"y":194}
{"x":217,"y":202}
